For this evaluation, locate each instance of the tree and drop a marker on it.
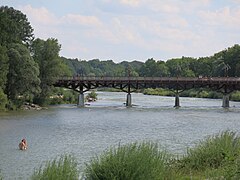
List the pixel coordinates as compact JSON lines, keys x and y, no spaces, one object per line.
{"x":153,"y":68}
{"x":15,"y":27}
{"x":3,"y":67}
{"x":23,"y":73}
{"x":51,"y":66}
{"x":181,"y":66}
{"x":203,"y":67}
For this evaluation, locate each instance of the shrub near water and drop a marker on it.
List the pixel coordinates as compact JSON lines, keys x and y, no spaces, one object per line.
{"x":133,"y":161}
{"x":65,"y":168}
{"x":215,"y":152}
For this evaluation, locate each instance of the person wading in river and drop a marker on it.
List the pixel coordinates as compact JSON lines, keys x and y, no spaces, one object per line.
{"x":23,"y":144}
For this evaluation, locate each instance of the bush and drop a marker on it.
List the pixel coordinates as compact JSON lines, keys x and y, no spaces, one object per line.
{"x":92,"y":95}
{"x":216,"y":151}
{"x":235,"y":96}
{"x":132,"y":161}
{"x":158,"y":91}
{"x":63,"y":168}
{"x":3,"y":100}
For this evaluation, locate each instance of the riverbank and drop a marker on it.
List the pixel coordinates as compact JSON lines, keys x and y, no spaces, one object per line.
{"x":200,"y":93}
{"x":31,"y":106}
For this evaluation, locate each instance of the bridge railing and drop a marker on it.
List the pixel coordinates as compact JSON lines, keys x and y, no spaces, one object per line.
{"x":104,"y":78}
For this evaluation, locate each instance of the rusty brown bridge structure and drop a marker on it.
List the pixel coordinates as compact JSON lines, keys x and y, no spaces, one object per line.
{"x":81,"y":84}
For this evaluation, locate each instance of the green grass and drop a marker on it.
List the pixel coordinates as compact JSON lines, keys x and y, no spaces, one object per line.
{"x":133,"y":161}
{"x":64,"y":168}
{"x":216,"y":156}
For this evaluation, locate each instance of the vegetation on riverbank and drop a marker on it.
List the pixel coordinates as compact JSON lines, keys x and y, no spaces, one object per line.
{"x":216,"y":157}
{"x":92,"y":96}
{"x":196,"y":93}
{"x":63,"y":168}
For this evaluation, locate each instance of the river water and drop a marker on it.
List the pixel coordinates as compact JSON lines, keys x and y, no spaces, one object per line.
{"x":88,"y":131}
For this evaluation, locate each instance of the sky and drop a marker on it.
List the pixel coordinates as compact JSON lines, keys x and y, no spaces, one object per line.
{"x":127,"y":30}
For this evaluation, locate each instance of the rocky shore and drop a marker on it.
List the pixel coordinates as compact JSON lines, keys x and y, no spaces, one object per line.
{"x":31,"y":106}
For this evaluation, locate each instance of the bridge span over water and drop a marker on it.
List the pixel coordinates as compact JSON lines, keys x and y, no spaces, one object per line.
{"x":81,"y":84}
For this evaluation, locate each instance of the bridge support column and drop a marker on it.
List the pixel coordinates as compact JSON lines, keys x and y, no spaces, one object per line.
{"x":225,"y":102}
{"x":129,"y":100}
{"x":177,"y":101}
{"x":81,"y":100}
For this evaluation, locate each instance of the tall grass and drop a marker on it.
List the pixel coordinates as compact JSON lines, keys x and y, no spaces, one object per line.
{"x":64,"y":168}
{"x":215,"y":152}
{"x":133,"y":161}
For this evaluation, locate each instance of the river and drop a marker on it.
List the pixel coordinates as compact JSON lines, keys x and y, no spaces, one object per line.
{"x":88,"y":131}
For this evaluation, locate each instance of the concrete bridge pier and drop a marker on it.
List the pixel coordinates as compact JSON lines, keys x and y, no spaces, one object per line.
{"x":81,"y":100}
{"x":129,"y":100}
{"x":225,"y":102}
{"x":81,"y":97}
{"x":177,"y":101}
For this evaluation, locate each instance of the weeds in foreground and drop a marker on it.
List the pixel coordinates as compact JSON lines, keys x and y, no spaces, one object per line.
{"x":64,"y":168}
{"x":132,"y":161}
{"x":216,"y":156}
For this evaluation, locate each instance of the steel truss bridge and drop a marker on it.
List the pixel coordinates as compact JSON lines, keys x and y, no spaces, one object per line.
{"x":81,"y":84}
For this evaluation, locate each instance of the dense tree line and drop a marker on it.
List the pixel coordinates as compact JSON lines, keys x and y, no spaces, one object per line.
{"x":223,"y":63}
{"x":29,"y":66}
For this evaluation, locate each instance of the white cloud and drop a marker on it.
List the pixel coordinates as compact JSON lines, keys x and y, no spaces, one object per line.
{"x":130,"y":2}
{"x":39,"y":15}
{"x":76,"y":19}
{"x":225,"y":17}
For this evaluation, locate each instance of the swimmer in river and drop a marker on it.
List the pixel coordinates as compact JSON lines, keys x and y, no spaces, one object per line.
{"x":23,"y":144}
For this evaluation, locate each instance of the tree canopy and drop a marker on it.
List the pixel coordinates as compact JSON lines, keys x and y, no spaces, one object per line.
{"x":15,"y":27}
{"x":23,"y":73}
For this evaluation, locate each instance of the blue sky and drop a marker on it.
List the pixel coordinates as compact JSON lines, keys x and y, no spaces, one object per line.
{"x":134,"y":29}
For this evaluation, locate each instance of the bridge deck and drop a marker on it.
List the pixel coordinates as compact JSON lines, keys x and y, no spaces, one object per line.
{"x":216,"y":83}
{"x":226,"y":85}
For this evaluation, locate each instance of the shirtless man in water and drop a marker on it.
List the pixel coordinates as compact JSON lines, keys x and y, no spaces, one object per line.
{"x":23,"y":144}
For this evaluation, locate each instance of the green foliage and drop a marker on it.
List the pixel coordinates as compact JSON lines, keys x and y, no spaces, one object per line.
{"x":132,"y":161}
{"x":96,"y":67}
{"x":63,"y":168}
{"x":63,"y":96}
{"x":3,"y":100}
{"x":46,"y":54}
{"x":212,"y":153}
{"x":158,"y":91}
{"x":235,"y":96}
{"x":182,"y":67}
{"x":92,"y":95}
{"x":3,"y":67}
{"x":154,"y":68}
{"x":23,"y":73}
{"x":15,"y":27}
